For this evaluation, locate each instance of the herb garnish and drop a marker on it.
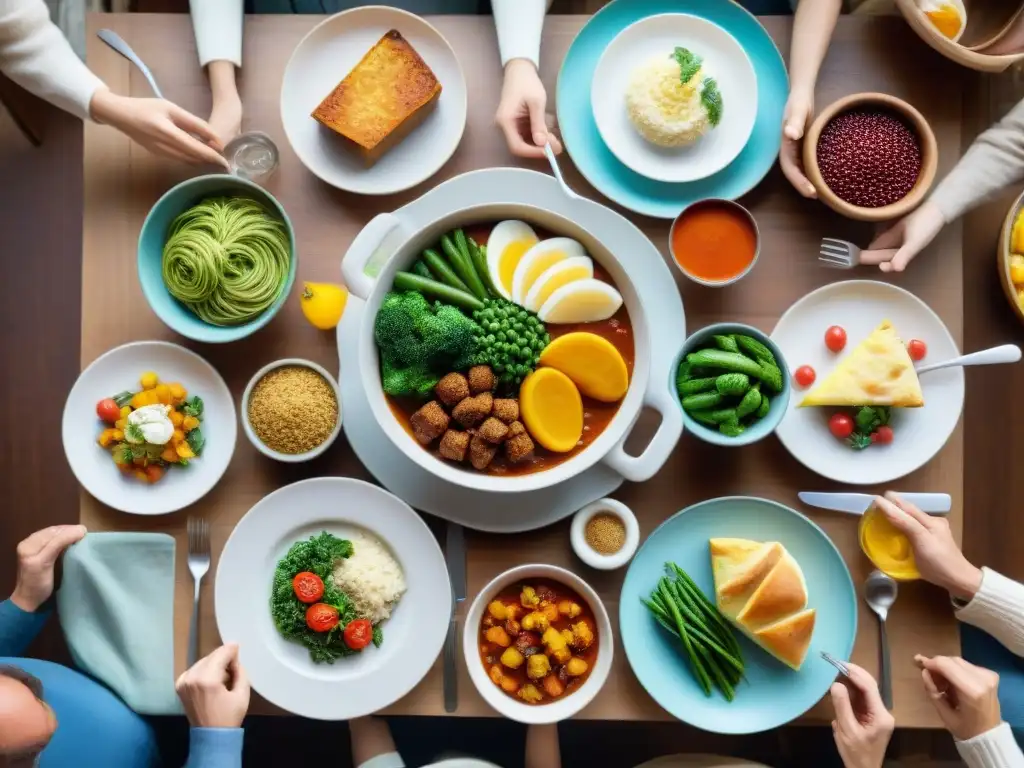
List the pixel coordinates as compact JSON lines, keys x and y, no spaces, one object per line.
{"x":134,"y":433}
{"x":711,"y":98}
{"x":868,"y":419}
{"x":689,"y":63}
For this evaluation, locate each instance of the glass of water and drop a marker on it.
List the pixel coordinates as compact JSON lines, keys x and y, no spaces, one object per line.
{"x":252,"y":155}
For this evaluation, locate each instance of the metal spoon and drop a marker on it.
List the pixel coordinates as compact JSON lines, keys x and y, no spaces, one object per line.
{"x":880,"y":593}
{"x":1007,"y":353}
{"x":115,"y":41}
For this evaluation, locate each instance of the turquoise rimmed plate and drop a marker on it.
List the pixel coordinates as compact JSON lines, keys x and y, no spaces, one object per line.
{"x":616,"y":181}
{"x":772,"y":694}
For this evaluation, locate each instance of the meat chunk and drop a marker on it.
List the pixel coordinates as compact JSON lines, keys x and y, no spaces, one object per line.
{"x":429,"y":422}
{"x":493,"y":430}
{"x":473,"y":410}
{"x":452,"y":389}
{"x":453,"y":445}
{"x":519,"y":447}
{"x":516,"y":428}
{"x":481,"y":379}
{"x":481,"y":452}
{"x":506,"y":409}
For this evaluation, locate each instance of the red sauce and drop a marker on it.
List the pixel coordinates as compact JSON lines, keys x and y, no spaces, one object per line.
{"x":596,"y":415}
{"x":713,"y":241}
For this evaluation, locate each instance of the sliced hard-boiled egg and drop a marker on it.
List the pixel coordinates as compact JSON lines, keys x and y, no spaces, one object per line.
{"x":581,"y":301}
{"x":508,"y":242}
{"x":554,"y":277}
{"x":539,"y":258}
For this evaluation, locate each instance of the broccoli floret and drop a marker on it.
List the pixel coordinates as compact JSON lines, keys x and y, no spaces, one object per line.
{"x":509,"y":339}
{"x":419,"y":342}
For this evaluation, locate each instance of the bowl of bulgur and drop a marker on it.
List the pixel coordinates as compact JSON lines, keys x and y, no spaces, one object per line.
{"x":291,"y":410}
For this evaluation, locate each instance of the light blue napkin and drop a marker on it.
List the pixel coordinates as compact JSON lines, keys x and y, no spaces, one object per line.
{"x":116,"y":607}
{"x":985,"y":651}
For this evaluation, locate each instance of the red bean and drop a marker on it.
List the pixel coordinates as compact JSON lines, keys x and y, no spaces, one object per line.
{"x":869,"y":158}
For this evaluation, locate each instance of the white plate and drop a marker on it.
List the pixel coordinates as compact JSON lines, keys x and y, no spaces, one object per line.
{"x":280,"y":670}
{"x":322,"y":60}
{"x":119,"y":370}
{"x":860,"y":306}
{"x":724,"y":59}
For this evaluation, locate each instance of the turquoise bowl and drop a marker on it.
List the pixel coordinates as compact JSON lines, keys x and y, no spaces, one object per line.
{"x":618,"y":182}
{"x":780,"y":402}
{"x":772,"y":694}
{"x":176,"y":315}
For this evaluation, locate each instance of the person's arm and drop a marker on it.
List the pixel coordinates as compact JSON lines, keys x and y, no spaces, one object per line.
{"x":372,"y":744}
{"x":18,"y":627}
{"x":35,"y":55}
{"x":519,"y":24}
{"x":215,"y":748}
{"x":998,"y":609}
{"x":218,"y":29}
{"x":993,"y":749}
{"x":542,"y":747}
{"x":994,"y":161}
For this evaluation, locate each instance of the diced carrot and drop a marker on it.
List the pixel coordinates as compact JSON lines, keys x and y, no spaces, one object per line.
{"x":169,"y":455}
{"x":178,"y":437}
{"x":184,"y":451}
{"x":190,"y":423}
{"x":163,"y":394}
{"x":154,"y":472}
{"x":178,"y":392}
{"x":177,"y":418}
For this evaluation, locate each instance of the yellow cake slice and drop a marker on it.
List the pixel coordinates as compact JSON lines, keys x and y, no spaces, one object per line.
{"x":878,"y":371}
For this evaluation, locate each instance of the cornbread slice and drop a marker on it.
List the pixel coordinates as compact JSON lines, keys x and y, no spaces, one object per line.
{"x":385,"y":96}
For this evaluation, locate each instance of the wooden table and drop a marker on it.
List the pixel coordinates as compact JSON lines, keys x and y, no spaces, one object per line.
{"x":122,"y":182}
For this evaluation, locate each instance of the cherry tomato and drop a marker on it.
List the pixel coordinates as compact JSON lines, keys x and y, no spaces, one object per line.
{"x":917,"y":349}
{"x":308,"y":587}
{"x":153,"y":472}
{"x":805,"y":376}
{"x":840,"y":425}
{"x":835,"y":338}
{"x":321,"y":617}
{"x":358,"y":634}
{"x":883,"y":435}
{"x":108,"y":411}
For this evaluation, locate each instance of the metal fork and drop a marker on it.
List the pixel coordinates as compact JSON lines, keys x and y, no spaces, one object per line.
{"x":838,"y":254}
{"x":843,"y":669}
{"x":198,"y":565}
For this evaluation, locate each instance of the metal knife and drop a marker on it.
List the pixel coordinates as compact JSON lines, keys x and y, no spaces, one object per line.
{"x":858,"y":503}
{"x":455,"y":556}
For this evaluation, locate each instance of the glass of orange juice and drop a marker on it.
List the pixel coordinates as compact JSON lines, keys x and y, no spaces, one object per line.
{"x":886,"y":546}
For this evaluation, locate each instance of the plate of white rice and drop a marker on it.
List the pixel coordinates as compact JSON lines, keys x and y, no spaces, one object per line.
{"x":396,"y":577}
{"x":674,"y":97}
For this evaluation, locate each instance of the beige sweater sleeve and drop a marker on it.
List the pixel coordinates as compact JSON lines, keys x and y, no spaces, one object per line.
{"x":995,"y":160}
{"x":992,"y":749}
{"x":998,"y":609}
{"x":35,"y":55}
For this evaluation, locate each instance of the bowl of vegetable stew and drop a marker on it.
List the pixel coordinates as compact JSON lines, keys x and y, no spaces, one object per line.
{"x":538,"y":643}
{"x":732,"y":384}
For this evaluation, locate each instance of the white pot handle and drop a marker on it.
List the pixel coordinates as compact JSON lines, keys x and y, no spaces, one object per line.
{"x":639,"y":469}
{"x":365,"y":256}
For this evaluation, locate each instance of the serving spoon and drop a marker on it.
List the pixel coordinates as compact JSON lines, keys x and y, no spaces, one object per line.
{"x":1006,"y":353}
{"x":880,"y":593}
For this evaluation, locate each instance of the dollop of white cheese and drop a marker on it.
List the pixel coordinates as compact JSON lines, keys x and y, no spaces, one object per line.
{"x":154,"y":422}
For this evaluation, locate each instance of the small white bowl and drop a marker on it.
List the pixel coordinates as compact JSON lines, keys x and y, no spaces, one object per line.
{"x":243,"y":414}
{"x":565,"y":707}
{"x":588,"y":554}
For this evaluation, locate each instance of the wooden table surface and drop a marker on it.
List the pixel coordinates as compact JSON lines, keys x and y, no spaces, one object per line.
{"x":122,"y":182}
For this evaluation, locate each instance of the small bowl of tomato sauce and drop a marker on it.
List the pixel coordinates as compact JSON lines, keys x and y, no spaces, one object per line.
{"x":714,"y":242}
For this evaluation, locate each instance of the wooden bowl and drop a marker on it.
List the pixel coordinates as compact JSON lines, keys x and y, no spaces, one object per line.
{"x":929,"y":156}
{"x":954,"y":51}
{"x":1003,"y":251}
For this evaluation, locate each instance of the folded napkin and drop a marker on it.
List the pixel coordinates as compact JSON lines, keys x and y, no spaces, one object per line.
{"x":116,"y":607}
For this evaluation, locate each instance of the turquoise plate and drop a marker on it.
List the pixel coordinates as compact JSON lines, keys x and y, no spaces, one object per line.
{"x":622,"y":185}
{"x":772,"y":694}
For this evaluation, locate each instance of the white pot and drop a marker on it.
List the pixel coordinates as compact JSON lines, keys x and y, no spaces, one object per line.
{"x":369,"y":281}
{"x":563,"y":708}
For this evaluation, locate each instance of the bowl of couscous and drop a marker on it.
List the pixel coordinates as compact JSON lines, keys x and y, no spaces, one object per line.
{"x":291,"y":410}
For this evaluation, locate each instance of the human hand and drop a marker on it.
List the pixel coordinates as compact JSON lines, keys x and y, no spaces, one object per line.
{"x":521,"y":112}
{"x":37,"y":556}
{"x":965,"y":696}
{"x":160,"y":126}
{"x":938,"y":558}
{"x":895,"y":247}
{"x":863,"y":726}
{"x":796,"y":118}
{"x":215,"y":690}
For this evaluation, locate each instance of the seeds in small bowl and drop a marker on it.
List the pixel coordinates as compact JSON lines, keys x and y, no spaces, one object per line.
{"x":292,"y":410}
{"x":605,"y":534}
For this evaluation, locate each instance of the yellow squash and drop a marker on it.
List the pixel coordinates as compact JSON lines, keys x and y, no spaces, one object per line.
{"x":552,"y":409}
{"x":592,"y":362}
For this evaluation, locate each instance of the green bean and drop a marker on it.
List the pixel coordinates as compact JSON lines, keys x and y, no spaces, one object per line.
{"x":709,"y":608}
{"x":662,"y":616}
{"x":716,"y":671}
{"x":407,"y":281}
{"x":462,"y":267}
{"x":442,"y":271}
{"x":723,"y":636}
{"x":695,"y":663}
{"x":476,"y":255}
{"x":421,"y":269}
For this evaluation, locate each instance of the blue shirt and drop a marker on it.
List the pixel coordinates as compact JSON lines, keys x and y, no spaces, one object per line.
{"x":94,"y":727}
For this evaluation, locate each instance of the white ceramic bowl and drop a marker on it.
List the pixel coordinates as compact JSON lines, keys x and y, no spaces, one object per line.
{"x":119,"y":370}
{"x":504,"y":704}
{"x":259,"y":444}
{"x":724,"y":59}
{"x":370,"y":282}
{"x":589,"y":555}
{"x":325,"y":56}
